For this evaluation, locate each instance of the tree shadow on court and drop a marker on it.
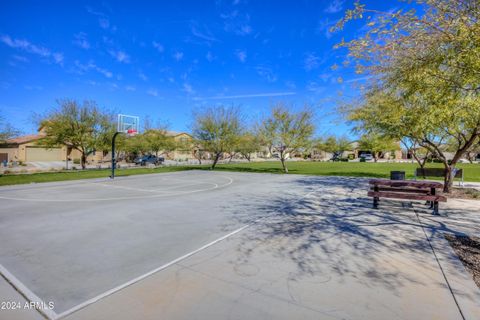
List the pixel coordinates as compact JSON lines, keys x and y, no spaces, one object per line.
{"x":331,"y":229}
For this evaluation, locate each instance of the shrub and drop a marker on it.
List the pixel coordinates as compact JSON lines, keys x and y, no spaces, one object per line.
{"x":76,"y":161}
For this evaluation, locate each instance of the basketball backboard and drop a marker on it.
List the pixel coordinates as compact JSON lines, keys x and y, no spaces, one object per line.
{"x":128,"y":124}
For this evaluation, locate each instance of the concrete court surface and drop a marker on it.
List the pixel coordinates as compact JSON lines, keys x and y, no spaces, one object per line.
{"x":222,"y":245}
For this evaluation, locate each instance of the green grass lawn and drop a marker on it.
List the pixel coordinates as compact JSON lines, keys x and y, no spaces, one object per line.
{"x":351,"y":169}
{"x":10,"y":179}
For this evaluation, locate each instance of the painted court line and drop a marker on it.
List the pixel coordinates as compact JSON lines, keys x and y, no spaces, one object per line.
{"x":26,"y":293}
{"x":146,"y":275}
{"x":122,"y":198}
{"x":135,"y":280}
{"x":50,"y":314}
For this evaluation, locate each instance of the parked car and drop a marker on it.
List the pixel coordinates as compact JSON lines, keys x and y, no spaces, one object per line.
{"x":149,"y":159}
{"x":367,"y":156}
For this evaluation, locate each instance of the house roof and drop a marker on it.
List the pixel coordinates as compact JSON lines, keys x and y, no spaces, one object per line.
{"x":175,"y":133}
{"x":24,"y":139}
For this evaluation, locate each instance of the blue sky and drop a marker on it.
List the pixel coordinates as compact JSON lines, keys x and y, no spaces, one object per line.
{"x":166,"y":58}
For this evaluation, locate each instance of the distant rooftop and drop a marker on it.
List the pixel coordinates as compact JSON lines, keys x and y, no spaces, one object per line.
{"x":24,"y":139}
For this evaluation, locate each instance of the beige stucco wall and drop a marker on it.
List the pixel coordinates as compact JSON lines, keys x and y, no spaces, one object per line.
{"x":12,"y":153}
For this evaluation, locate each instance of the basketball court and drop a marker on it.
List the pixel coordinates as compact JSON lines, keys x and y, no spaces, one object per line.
{"x":213,"y":245}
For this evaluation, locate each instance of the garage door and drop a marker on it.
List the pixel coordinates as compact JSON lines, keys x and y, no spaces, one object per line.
{"x":42,"y":154}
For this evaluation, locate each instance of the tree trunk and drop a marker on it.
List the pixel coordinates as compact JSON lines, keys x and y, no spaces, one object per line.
{"x":83,"y":160}
{"x":284,"y":164}
{"x":217,"y":156}
{"x":448,"y":179}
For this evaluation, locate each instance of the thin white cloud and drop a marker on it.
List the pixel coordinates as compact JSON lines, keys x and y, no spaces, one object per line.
{"x":188,"y":88}
{"x":241,"y":55}
{"x":58,"y":58}
{"x":92,"y":66}
{"x":209,"y":56}
{"x":158,"y":46}
{"x":204,"y":34}
{"x":37,"y":88}
{"x":311,"y":61}
{"x":142,"y":76}
{"x":81,"y":40}
{"x":29,"y":47}
{"x":20,"y":58}
{"x":130,"y":88}
{"x":250,"y":95}
{"x":290,"y":85}
{"x":335,"y":6}
{"x":266,"y":73}
{"x":120,"y":56}
{"x":358,"y":79}
{"x":237,"y":23}
{"x":324,"y":26}
{"x":314,"y":86}
{"x":104,"y":23}
{"x":152,"y":92}
{"x":178,"y":55}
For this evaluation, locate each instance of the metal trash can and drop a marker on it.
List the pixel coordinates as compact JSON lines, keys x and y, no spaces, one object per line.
{"x":397,"y":175}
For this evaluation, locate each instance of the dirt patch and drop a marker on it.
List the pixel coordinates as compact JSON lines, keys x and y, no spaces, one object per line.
{"x":463,"y":193}
{"x":468,"y":251}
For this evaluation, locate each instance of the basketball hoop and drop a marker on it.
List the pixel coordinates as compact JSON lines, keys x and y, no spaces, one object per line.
{"x":131,"y":132}
{"x":128,"y":125}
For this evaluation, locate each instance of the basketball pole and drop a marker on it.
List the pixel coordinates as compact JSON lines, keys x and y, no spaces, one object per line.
{"x":112,"y":176}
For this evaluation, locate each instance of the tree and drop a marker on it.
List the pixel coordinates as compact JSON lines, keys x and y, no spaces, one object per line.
{"x":217,"y":129}
{"x":473,"y":152}
{"x":157,"y":140}
{"x":198,"y":150}
{"x":288,"y":132}
{"x":78,"y":126}
{"x":376,"y":144}
{"x":427,"y":67}
{"x":335,"y":145}
{"x":470,"y":154}
{"x":133,"y":146}
{"x":414,"y":148}
{"x":247,"y":144}
{"x":7,"y":131}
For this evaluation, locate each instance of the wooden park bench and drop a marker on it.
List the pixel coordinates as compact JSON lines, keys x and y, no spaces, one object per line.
{"x":438,"y":172}
{"x":406,"y":190}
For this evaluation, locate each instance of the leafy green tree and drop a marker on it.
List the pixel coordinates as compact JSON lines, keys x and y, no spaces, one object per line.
{"x":247,"y":144}
{"x":217,"y":129}
{"x":288,"y":132}
{"x":425,"y":75}
{"x":133,"y":146}
{"x":335,"y":145}
{"x":376,"y":144}
{"x":157,"y":140}
{"x":79,"y":126}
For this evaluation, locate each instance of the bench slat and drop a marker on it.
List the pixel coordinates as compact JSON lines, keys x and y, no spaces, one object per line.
{"x":406,"y":183}
{"x":409,"y":190}
{"x":406,"y":196}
